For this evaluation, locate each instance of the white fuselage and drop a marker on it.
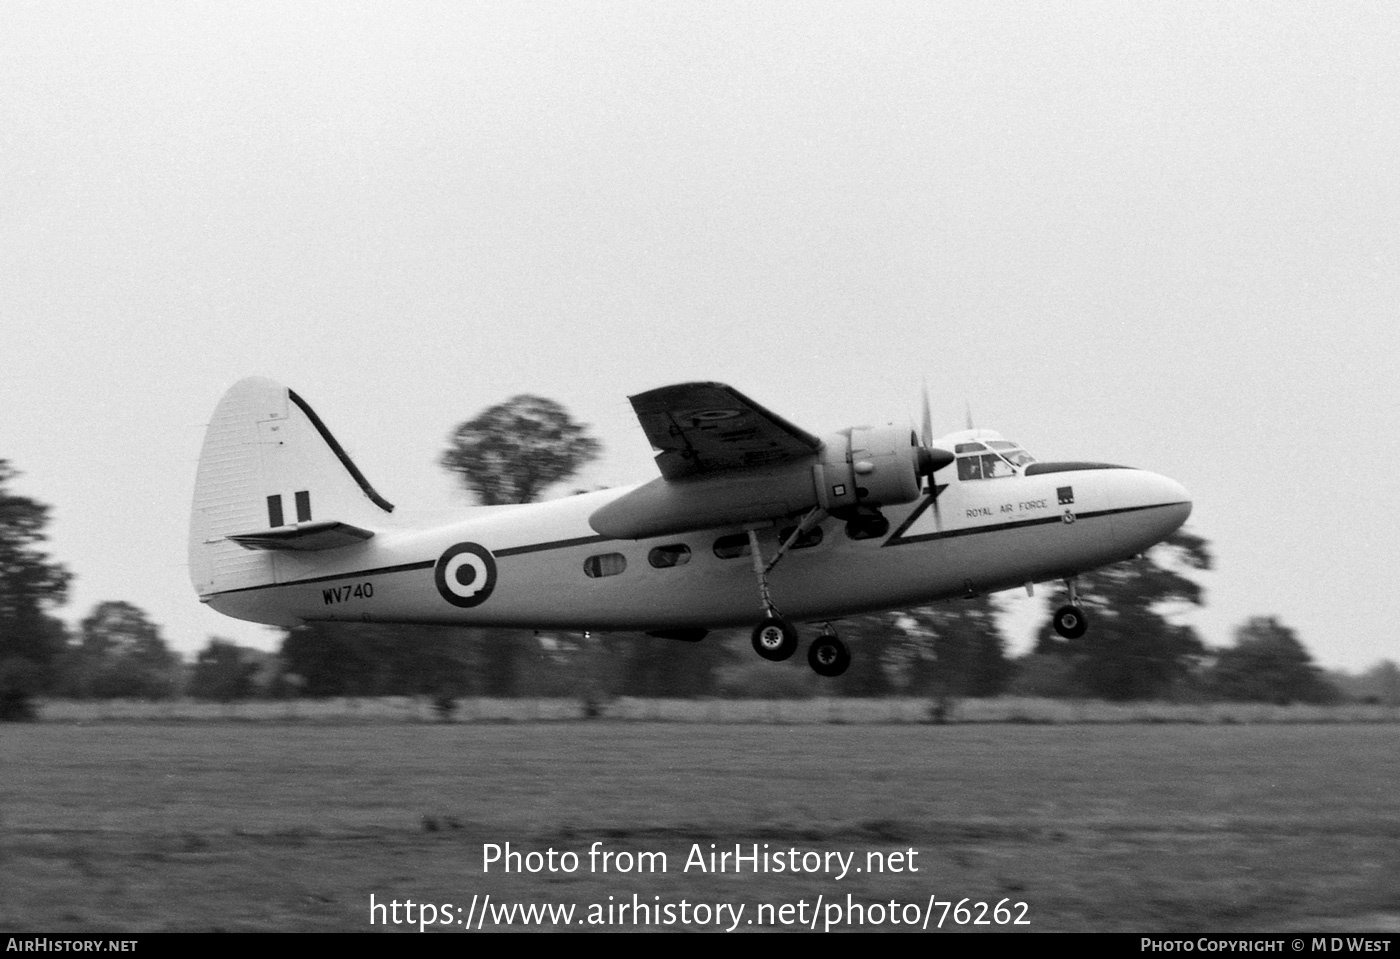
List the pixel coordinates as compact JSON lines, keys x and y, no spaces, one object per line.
{"x":976,"y":536}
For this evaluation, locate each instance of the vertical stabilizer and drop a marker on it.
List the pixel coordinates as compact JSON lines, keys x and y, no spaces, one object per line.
{"x":268,"y":463}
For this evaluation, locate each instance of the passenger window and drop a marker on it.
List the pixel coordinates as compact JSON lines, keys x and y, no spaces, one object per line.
{"x":732,"y":546}
{"x":664,"y":557}
{"x":812,"y":537}
{"x":605,"y":564}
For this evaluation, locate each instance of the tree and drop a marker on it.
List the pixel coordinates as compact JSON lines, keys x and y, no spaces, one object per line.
{"x":514,"y":451}
{"x":955,"y":649}
{"x":872,"y":640}
{"x":1268,"y":664}
{"x":648,"y":666}
{"x":223,"y":673}
{"x":1382,"y":683}
{"x":1131,"y":649}
{"x":30,"y":582}
{"x":120,"y":654}
{"x":364,"y":659}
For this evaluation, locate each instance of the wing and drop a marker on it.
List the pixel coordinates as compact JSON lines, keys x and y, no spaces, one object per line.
{"x":706,"y":428}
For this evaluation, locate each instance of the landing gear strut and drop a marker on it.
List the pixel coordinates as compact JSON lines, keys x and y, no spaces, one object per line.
{"x":1070,"y":621}
{"x":774,"y":638}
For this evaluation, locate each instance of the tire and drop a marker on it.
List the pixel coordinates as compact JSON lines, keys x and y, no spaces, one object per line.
{"x":1070,"y":622}
{"x":774,"y":639}
{"x":828,"y":656}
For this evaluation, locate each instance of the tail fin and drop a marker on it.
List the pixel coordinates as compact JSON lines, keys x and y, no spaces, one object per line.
{"x":271,"y":477}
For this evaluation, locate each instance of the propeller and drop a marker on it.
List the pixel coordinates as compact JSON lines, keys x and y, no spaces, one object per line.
{"x":931,"y":458}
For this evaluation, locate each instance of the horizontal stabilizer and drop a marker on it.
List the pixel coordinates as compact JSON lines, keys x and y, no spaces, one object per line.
{"x":305,"y":537}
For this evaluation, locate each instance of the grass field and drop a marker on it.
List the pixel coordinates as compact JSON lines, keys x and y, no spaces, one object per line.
{"x":144,"y":826}
{"x":1016,"y":709}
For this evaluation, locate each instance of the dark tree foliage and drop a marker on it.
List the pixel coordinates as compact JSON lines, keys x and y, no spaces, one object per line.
{"x":19,"y":679}
{"x":669,"y":668}
{"x":357,"y":659}
{"x":223,"y":673}
{"x":119,"y":655}
{"x":873,"y":642}
{"x":955,"y":649}
{"x":30,"y":584}
{"x":514,"y":451}
{"x":1268,"y":664}
{"x":1131,"y":650}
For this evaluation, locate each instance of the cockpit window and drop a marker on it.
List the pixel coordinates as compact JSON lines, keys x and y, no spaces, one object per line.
{"x":986,"y":466}
{"x":991,"y":465}
{"x":969,"y":448}
{"x":1013,"y":453}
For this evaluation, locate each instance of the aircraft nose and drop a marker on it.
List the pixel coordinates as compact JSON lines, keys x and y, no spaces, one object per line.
{"x":1150,"y":507}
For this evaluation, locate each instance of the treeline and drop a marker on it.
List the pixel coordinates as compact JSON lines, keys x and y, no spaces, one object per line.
{"x":946,"y":652}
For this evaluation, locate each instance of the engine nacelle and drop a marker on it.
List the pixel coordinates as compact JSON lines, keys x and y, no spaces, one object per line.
{"x":859,"y":467}
{"x":868,"y":467}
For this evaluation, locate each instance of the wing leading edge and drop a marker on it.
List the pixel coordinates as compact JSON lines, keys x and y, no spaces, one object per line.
{"x":723,"y":459}
{"x":702,"y":429}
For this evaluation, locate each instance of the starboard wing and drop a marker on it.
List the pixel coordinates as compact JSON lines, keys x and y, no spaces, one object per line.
{"x":707,"y":428}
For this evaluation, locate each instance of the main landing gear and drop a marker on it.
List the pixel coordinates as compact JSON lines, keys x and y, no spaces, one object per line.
{"x":828,"y":655}
{"x":774,"y":638}
{"x":1070,"y":621}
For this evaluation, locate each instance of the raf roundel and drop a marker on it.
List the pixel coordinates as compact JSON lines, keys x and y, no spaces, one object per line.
{"x":465,"y":575}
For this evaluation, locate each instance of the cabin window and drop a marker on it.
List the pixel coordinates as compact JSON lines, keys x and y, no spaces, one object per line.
{"x":605,"y":564}
{"x":808,"y":539}
{"x":732,"y":546}
{"x":664,"y":557}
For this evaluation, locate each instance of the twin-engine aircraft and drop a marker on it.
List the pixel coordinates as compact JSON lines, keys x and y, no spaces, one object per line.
{"x":753,"y":520}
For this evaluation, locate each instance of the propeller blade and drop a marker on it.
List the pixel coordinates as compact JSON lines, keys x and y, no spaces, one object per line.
{"x":926,"y":427}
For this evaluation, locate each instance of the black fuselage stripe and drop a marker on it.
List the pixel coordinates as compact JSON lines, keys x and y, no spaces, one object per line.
{"x":552,"y":544}
{"x":900,"y":540}
{"x":425,"y":564}
{"x":349,"y":574}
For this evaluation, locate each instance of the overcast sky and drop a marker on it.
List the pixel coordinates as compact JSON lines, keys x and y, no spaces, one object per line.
{"x":1163,"y":235}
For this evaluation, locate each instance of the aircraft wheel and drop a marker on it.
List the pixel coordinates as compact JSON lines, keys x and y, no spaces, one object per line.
{"x":828,"y":656}
{"x":774,"y":639}
{"x":1070,"y":622}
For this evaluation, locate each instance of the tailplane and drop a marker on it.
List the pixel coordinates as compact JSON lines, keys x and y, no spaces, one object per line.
{"x":272,"y":479}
